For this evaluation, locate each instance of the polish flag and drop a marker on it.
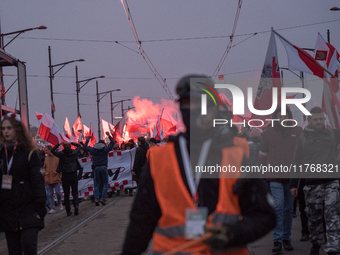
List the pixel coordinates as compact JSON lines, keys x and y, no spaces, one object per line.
{"x":133,"y":126}
{"x":88,"y":132}
{"x":270,"y":78}
{"x":93,"y":138}
{"x":155,"y":133}
{"x":168,"y":122}
{"x":300,"y":60}
{"x":327,"y":56}
{"x":77,"y":127}
{"x":49,"y":130}
{"x":67,"y":128}
{"x":39,"y":115}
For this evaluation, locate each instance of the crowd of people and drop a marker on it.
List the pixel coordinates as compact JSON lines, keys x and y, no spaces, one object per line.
{"x":175,"y":204}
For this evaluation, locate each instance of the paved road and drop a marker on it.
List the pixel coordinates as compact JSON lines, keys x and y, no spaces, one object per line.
{"x":105,"y":234}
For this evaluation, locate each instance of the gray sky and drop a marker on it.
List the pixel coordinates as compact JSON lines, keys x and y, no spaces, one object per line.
{"x":88,"y":29}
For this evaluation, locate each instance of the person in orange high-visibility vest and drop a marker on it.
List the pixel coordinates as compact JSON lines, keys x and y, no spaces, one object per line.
{"x":192,"y":186}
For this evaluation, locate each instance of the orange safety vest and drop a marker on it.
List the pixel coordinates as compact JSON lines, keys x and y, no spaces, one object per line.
{"x":173,"y":198}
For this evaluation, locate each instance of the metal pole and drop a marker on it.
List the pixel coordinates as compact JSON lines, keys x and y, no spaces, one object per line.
{"x":51,"y":78}
{"x":303,"y":85}
{"x":98,"y":110}
{"x":111,"y":107}
{"x":122,"y":109}
{"x":77,"y":90}
{"x":328,"y":36}
{"x":1,"y":73}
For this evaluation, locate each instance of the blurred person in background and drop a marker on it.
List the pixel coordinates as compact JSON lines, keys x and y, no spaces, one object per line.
{"x":68,"y":166}
{"x":52,"y":179}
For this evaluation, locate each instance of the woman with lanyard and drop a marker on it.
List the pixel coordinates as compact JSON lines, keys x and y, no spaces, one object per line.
{"x":22,"y":192}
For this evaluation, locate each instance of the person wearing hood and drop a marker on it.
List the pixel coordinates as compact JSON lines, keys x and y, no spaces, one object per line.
{"x":99,"y":165}
{"x":277,"y":150}
{"x":173,"y":203}
{"x":317,"y":146}
{"x":140,"y":158}
{"x":68,"y":167}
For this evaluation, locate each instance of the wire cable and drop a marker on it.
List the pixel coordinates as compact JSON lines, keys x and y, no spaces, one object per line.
{"x":147,"y":60}
{"x":225,"y":54}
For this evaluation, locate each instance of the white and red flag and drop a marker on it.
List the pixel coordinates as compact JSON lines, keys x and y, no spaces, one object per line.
{"x":67,"y":129}
{"x":270,"y":78}
{"x":93,"y":136}
{"x":77,"y":127}
{"x":88,"y":132}
{"x":327,"y":56}
{"x":168,"y":122}
{"x":49,"y":130}
{"x":300,"y":60}
{"x":39,"y":115}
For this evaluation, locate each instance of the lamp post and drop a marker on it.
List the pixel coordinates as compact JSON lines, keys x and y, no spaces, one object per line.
{"x":112,"y":108}
{"x":19,"y":32}
{"x":53,"y":73}
{"x":79,"y":88}
{"x":3,"y":46}
{"x":335,"y":9}
{"x":98,"y":101}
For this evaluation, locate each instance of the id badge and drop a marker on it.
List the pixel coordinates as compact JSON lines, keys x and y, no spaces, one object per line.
{"x":196,"y":218}
{"x":6,"y":181}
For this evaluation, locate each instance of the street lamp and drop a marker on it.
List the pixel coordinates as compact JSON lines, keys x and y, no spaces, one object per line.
{"x":120,"y":101}
{"x":53,"y":73}
{"x":98,"y":101}
{"x":19,"y":32}
{"x":335,"y":9}
{"x":2,"y":46}
{"x":85,"y":82}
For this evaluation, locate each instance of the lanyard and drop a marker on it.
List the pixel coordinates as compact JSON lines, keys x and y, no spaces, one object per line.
{"x":9,"y":164}
{"x":193,"y":184}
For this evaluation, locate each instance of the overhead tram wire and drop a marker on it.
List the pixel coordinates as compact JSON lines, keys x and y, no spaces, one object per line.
{"x":225,"y":54}
{"x":147,"y":60}
{"x":126,"y":78}
{"x":169,"y":39}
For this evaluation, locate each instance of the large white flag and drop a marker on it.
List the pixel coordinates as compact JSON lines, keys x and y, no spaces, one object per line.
{"x":270,"y":78}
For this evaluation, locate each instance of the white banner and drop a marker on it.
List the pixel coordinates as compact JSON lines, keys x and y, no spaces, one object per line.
{"x":120,"y":165}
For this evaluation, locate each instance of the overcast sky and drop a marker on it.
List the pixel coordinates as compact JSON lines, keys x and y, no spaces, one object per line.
{"x":179,"y":37}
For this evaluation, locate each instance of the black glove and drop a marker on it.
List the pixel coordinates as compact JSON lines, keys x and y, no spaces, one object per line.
{"x":41,"y":210}
{"x":221,"y":236}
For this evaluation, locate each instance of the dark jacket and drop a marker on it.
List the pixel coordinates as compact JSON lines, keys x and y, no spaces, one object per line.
{"x":258,"y":215}
{"x":319,"y":149}
{"x":254,"y":148}
{"x":67,"y":158}
{"x":140,"y":160}
{"x":99,"y":152}
{"x":23,"y":205}
{"x":277,"y":147}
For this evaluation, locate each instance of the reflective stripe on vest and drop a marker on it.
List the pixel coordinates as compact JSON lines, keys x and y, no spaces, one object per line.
{"x":174,"y":231}
{"x":173,"y":198}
